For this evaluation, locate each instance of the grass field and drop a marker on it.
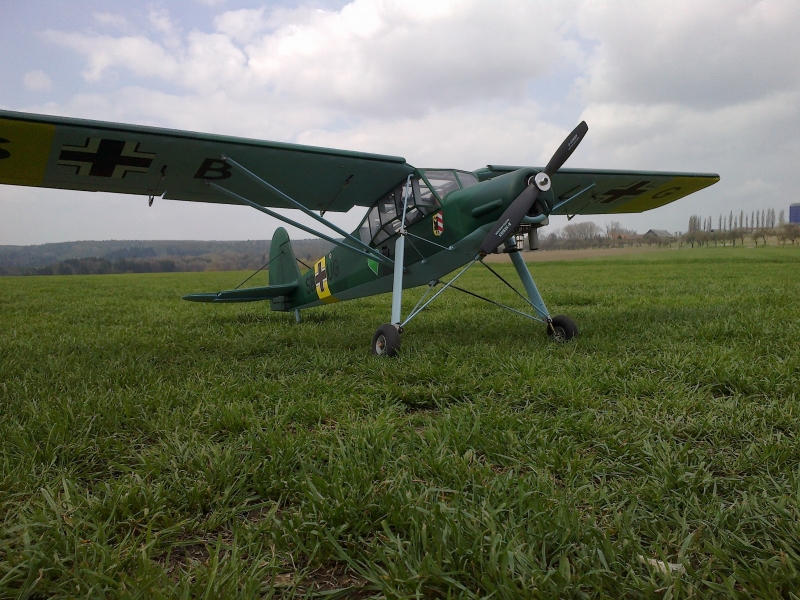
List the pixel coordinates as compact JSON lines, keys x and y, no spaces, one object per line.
{"x":156,"y":448}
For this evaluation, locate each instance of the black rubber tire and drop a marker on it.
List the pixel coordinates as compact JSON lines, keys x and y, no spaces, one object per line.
{"x":562,"y":329}
{"x":386,"y":341}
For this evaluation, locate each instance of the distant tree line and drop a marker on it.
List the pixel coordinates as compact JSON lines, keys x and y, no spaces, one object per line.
{"x":757,"y":226}
{"x":589,"y":234}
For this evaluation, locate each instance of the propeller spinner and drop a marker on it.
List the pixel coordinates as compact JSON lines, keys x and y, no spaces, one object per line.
{"x":517,"y":210}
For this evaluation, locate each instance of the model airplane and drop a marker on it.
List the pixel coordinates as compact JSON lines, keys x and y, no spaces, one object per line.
{"x":451,"y":219}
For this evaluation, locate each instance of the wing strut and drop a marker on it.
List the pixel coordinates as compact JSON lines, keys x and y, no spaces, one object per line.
{"x":377,"y":255}
{"x":271,"y":213}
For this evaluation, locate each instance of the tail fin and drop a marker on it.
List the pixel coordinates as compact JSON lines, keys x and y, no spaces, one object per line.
{"x":284,"y":277}
{"x":282,"y":264}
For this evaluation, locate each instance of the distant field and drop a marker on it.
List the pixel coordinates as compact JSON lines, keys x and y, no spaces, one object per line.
{"x":155,"y":448}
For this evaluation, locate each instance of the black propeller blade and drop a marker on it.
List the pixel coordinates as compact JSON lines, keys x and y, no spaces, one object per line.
{"x":517,"y":210}
{"x":567,"y":148}
{"x":510,"y":219}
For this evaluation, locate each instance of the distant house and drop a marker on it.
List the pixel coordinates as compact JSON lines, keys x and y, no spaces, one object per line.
{"x":659,"y":234}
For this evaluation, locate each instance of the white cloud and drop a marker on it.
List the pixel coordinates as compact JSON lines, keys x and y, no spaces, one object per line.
{"x":37,"y":81}
{"x":358,"y":59}
{"x":241,"y":25}
{"x":712,"y":86}
{"x":137,"y":54}
{"x":707,"y":54}
{"x":161,"y":21}
{"x":112,"y":20}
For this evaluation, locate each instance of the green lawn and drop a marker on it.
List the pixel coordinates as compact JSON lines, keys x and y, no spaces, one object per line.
{"x":157,"y":448}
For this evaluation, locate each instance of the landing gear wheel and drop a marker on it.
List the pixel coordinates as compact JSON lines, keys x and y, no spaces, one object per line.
{"x":386,"y":341}
{"x":562,"y":329}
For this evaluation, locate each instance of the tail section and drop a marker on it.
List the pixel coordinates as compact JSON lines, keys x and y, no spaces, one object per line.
{"x":282,"y":264}
{"x":284,"y":277}
{"x":283,"y":269}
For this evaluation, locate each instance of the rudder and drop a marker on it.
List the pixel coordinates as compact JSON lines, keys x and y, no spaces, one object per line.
{"x":283,"y":267}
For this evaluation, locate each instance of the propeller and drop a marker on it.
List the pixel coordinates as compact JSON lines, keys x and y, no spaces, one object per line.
{"x":517,"y":210}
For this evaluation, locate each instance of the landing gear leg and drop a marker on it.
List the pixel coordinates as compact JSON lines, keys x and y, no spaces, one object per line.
{"x":297,"y":317}
{"x":559,"y":328}
{"x":387,"y":338}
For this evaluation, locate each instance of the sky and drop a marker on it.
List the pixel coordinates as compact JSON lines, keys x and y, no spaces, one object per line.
{"x":700,"y":86}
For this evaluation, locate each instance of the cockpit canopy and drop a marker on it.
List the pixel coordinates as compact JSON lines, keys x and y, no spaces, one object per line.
{"x":445,"y":181}
{"x":383,"y":219}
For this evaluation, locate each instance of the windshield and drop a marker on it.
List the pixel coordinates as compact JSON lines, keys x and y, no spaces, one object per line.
{"x":467,"y":179}
{"x":443,"y":182}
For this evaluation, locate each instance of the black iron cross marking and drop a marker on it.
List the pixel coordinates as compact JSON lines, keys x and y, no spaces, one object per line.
{"x":321,"y":277}
{"x":633,"y":190}
{"x":105,"y":158}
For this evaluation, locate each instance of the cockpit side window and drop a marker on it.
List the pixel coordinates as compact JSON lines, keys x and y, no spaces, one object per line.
{"x":374,"y":220}
{"x":364,"y":233}
{"x":387,"y":209}
{"x":383,"y":220}
{"x":426,"y":200}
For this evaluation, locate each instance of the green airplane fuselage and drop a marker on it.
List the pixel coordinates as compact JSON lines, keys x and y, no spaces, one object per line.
{"x":466,"y":216}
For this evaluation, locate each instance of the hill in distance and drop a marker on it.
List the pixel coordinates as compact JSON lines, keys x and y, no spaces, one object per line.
{"x":126,"y":256}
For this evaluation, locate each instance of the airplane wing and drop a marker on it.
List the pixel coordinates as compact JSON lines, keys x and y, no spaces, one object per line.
{"x":602,"y":192}
{"x":77,"y":154}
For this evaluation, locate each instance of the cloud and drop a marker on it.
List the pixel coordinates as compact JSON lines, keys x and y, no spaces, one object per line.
{"x":161,"y":21}
{"x":698,"y":87}
{"x":663,"y":85}
{"x":704,"y":55}
{"x":374,"y":58}
{"x":137,"y":54}
{"x":241,"y":25}
{"x":37,"y":81}
{"x":111,"y":20}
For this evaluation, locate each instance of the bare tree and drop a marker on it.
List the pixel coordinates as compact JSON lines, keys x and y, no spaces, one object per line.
{"x":582,"y":231}
{"x":792,"y":232}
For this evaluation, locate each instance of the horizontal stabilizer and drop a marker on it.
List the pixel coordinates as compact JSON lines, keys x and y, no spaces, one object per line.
{"x":245,"y":295}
